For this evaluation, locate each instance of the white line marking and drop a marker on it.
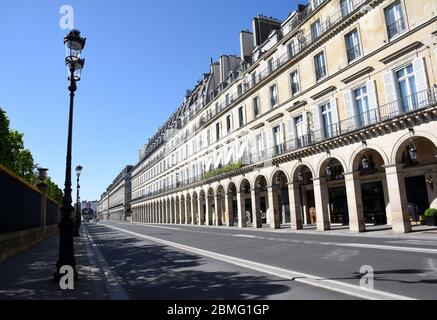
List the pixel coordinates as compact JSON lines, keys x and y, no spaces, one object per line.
{"x":115,"y":290}
{"x":382,"y":247}
{"x":312,"y":280}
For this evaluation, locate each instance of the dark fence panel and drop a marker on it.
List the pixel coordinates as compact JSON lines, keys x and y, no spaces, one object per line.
{"x":20,"y":205}
{"x":52,"y":212}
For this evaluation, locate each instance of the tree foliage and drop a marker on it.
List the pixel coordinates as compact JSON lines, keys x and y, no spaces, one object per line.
{"x":14,"y":156}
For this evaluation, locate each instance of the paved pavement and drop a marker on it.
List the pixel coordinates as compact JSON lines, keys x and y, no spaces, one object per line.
{"x":402,"y":266}
{"x":29,"y":275}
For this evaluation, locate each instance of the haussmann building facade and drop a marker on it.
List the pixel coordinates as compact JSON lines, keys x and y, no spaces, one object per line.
{"x":327,"y":119}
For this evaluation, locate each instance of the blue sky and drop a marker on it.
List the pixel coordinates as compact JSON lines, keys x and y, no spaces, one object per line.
{"x":141,"y":56}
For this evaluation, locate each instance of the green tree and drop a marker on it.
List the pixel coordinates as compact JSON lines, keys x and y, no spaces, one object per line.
{"x":5,"y":146}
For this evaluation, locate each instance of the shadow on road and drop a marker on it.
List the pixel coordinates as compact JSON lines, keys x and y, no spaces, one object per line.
{"x":153,"y":271}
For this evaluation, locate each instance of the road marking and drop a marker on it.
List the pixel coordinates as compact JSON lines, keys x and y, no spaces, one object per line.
{"x":171,"y":228}
{"x":357,"y":245}
{"x":312,"y":280}
{"x":115,"y":290}
{"x":383,"y":247}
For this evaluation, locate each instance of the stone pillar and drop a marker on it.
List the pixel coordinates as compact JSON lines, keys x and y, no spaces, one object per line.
{"x":322,"y":201}
{"x":218,"y":210}
{"x":354,"y":203}
{"x":200,"y":212}
{"x":387,"y":201}
{"x":295,"y":206}
{"x":208,"y":207}
{"x":398,"y":199}
{"x":273,"y":212}
{"x":241,"y":207}
{"x":256,"y":213}
{"x":229,"y":209}
{"x":43,"y":188}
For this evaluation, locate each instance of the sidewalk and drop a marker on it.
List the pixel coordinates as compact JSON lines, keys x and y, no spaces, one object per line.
{"x":29,"y":275}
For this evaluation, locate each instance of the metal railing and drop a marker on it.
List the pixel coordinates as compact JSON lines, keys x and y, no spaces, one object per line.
{"x":304,"y":40}
{"x":353,"y":53}
{"x":396,"y":27}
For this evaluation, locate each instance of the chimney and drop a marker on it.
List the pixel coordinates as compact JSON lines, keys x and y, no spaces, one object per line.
{"x":262,"y":27}
{"x":246,"y":44}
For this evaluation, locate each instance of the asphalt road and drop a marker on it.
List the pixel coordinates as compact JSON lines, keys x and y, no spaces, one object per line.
{"x":147,"y":269}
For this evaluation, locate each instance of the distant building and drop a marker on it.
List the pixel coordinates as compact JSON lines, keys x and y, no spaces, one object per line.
{"x":114,"y":204}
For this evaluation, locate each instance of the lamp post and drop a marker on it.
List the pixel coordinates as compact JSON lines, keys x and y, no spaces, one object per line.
{"x":78,"y":207}
{"x":74,"y":45}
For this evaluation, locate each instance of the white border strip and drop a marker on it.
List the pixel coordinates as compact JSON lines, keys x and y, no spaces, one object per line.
{"x":312,"y":280}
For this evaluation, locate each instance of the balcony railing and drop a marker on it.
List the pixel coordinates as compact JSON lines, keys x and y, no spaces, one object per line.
{"x":353,"y":53}
{"x":304,"y":40}
{"x":396,"y":27}
{"x":414,"y":102}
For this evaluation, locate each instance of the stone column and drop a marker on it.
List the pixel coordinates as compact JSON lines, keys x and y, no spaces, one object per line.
{"x":43,"y":188}
{"x":228,"y":208}
{"x":241,"y":210}
{"x":295,"y":206}
{"x":398,"y":199}
{"x":181,"y":212}
{"x":218,"y":210}
{"x":256,"y":213}
{"x":354,"y":203}
{"x":273,"y":212}
{"x":322,"y":200}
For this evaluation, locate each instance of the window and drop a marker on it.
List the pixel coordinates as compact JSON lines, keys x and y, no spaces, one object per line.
{"x":316,"y":30}
{"x":255,"y":104}
{"x":326,"y":112}
{"x":227,"y":98}
{"x":361,"y":100}
{"x":217,"y":131}
{"x":394,"y":19}
{"x":277,"y":140}
{"x":259,"y":144}
{"x":347,"y":6}
{"x":300,"y":130}
{"x":407,"y":88}
{"x":273,"y":96}
{"x":208,"y":136}
{"x":294,"y":80}
{"x":253,"y":78}
{"x":319,"y":63}
{"x":241,"y":116}
{"x":229,"y":123}
{"x":240,"y":89}
{"x":353,"y":49}
{"x":270,"y":65}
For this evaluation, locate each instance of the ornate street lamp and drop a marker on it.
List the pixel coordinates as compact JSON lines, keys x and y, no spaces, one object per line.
{"x":74,"y":45}
{"x":365,"y":163}
{"x":78,"y":207}
{"x":328,"y":171}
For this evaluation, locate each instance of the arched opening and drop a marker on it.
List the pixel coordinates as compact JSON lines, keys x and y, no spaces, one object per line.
{"x":280,"y":196}
{"x":194,"y":209}
{"x":172,"y":211}
{"x":231,"y":205}
{"x":188,"y":211}
{"x":416,"y":158}
{"x":369,"y":172}
{"x":245,"y":206}
{"x":182,"y":210}
{"x":333,"y":172}
{"x":177,"y":210}
{"x":222,"y":216}
{"x":305,"y":203}
{"x":202,"y":207}
{"x":261,"y":202}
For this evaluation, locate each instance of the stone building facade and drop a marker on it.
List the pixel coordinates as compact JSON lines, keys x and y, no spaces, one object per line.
{"x":114,"y":204}
{"x":326,"y":119}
